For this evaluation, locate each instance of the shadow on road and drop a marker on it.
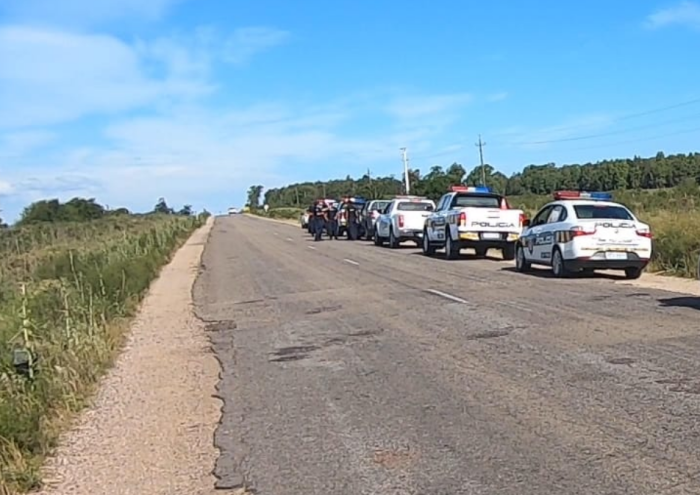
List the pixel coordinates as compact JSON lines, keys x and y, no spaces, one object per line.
{"x":546,"y":273}
{"x":691,"y":302}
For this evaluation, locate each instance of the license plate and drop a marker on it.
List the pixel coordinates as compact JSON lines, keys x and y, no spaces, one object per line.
{"x":615,"y":256}
{"x":490,"y":235}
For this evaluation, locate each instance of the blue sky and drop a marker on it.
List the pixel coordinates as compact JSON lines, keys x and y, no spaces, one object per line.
{"x":195,"y":100}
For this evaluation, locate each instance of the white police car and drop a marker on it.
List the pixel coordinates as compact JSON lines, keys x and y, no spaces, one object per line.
{"x":584,"y":231}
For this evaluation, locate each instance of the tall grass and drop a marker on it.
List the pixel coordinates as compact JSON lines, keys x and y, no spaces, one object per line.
{"x":66,"y":294}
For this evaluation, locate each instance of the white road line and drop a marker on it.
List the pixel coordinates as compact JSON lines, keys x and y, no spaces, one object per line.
{"x":447,"y":296}
{"x":290,"y":239}
{"x":350,"y":261}
{"x":311,"y":247}
{"x":276,"y":233}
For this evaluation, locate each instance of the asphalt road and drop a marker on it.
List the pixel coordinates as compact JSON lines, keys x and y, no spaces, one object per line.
{"x":353,"y":369}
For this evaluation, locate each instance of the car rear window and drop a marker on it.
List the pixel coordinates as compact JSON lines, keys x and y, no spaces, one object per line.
{"x":600,"y":212}
{"x":476,"y":201}
{"x":380,"y":205}
{"x":414,"y":206}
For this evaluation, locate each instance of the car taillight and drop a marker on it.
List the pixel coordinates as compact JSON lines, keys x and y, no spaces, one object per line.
{"x":645,"y":233}
{"x":522,"y":219}
{"x":462,"y":219}
{"x":400,"y":219}
{"x":578,"y":232}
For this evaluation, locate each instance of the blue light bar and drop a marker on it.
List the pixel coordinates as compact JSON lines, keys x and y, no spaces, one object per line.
{"x":474,"y":189}
{"x":596,"y":196}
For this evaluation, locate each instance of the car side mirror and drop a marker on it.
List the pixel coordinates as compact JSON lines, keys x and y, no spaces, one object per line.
{"x":526,"y":222}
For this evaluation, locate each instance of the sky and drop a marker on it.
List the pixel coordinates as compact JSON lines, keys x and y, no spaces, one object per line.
{"x":128,"y":101}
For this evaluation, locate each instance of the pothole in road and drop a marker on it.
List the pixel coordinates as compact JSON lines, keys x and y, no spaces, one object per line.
{"x":620,"y":361}
{"x":324,"y":309}
{"x":681,"y":385}
{"x":293,"y":353}
{"x":490,"y":335}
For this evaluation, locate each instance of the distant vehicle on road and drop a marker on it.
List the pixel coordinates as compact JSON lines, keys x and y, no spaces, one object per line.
{"x":581,"y":231}
{"x":472,"y":217}
{"x":403,"y":220}
{"x":233,"y":211}
{"x":370,"y":213}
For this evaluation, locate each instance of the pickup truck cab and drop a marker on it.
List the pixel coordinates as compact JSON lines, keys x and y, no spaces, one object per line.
{"x":472,"y":217}
{"x":402,"y":220}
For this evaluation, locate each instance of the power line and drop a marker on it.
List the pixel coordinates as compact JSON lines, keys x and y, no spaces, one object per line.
{"x":610,"y":133}
{"x":639,"y":140}
{"x":618,"y":119}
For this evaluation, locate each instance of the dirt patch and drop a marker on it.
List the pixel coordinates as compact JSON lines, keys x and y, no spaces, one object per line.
{"x":151,"y":426}
{"x":394,"y":459}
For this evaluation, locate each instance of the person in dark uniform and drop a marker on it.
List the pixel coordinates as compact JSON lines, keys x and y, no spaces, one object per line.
{"x":319,"y":219}
{"x":310,"y":221}
{"x":332,"y":222}
{"x":352,"y":216}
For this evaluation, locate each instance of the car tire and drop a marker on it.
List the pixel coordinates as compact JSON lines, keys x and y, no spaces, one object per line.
{"x":521,"y":263}
{"x":633,"y":273}
{"x":451,"y":247}
{"x":393,"y":241}
{"x":378,"y":240}
{"x":428,"y":249}
{"x":508,"y":252}
{"x":558,"y":264}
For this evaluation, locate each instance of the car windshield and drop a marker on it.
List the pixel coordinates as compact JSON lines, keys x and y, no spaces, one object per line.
{"x":602,"y":212}
{"x":476,"y":201}
{"x":380,"y":205}
{"x":414,"y":206}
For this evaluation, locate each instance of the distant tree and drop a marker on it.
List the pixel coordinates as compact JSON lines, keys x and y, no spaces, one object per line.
{"x":185,"y":211}
{"x":254,"y":193}
{"x":162,"y":207}
{"x":120,"y":211}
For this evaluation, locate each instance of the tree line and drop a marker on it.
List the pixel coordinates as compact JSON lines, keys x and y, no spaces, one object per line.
{"x":83,"y":210}
{"x":656,"y":172}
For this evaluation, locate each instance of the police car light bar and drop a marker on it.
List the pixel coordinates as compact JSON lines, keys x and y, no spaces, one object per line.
{"x":476,"y":189}
{"x":597,"y":196}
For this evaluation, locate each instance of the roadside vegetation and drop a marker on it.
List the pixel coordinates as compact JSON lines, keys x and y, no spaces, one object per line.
{"x":662,"y":191}
{"x":71,"y":276}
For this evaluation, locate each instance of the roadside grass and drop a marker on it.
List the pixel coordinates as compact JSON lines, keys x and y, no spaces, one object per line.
{"x":67,"y":293}
{"x":673,"y":214}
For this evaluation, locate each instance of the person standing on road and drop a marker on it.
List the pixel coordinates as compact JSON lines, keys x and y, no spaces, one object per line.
{"x":351,"y":210}
{"x":332,"y":223}
{"x":318,"y":220}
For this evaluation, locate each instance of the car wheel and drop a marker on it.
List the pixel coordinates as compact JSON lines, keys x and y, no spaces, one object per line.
{"x":451,"y":248}
{"x":393,"y":241}
{"x":509,"y":252}
{"x":378,"y":240}
{"x":428,"y":249}
{"x":633,"y":273}
{"x":558,"y":264}
{"x":521,"y":263}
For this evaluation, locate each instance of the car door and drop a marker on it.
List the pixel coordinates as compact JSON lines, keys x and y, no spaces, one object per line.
{"x":384,"y":221}
{"x":436,"y":221}
{"x":530,"y":239}
{"x":546,"y":238}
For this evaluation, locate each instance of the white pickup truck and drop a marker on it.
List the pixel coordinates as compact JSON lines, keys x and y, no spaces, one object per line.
{"x":472,"y":217}
{"x":402,"y":220}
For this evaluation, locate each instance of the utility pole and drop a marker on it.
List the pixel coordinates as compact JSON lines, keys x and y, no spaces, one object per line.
{"x":296,"y":192}
{"x":404,"y":156}
{"x":481,"y":145}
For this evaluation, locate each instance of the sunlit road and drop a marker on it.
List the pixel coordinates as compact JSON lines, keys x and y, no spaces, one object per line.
{"x":352,"y":369}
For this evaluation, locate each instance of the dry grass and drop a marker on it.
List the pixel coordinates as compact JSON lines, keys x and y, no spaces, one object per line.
{"x":66,"y":295}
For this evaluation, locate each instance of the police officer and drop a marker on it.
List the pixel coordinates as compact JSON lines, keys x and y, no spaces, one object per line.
{"x":319,"y":219}
{"x":351,"y":210}
{"x":332,"y":222}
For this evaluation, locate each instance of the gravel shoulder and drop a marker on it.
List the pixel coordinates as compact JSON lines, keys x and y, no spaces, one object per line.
{"x":151,"y":425}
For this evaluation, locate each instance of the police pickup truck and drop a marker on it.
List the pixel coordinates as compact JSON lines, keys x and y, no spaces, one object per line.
{"x":585,"y":231}
{"x":402,"y":220}
{"x":472,"y":217}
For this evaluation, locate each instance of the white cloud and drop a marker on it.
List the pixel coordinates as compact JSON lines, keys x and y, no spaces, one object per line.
{"x":244,"y":43}
{"x":50,"y":77}
{"x":685,"y":13}
{"x":416,"y":107}
{"x":16,"y":144}
{"x":494,"y":97}
{"x":85,"y":12}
